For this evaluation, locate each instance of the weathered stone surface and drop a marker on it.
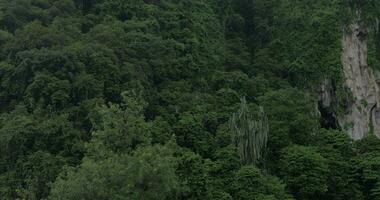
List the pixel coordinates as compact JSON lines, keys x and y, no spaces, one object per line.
{"x":326,"y":101}
{"x":325,"y":93}
{"x":363,"y":110}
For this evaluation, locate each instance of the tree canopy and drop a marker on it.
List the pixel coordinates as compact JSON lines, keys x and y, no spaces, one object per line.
{"x":178,"y":99}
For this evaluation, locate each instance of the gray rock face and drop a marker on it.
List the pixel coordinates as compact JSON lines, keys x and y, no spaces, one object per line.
{"x":326,"y":101}
{"x":326,"y":93}
{"x":363,"y":110}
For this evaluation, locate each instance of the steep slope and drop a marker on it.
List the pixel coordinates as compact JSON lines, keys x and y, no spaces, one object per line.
{"x":360,"y":112}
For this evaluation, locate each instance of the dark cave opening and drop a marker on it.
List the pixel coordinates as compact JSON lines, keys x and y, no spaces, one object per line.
{"x":328,"y":118}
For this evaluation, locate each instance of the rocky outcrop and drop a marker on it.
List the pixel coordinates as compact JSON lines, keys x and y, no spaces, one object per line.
{"x":361,"y":114}
{"x":326,"y":100}
{"x":362,"y":111}
{"x":326,"y":94}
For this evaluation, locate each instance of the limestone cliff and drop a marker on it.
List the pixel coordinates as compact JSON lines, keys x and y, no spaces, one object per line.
{"x":362,"y":110}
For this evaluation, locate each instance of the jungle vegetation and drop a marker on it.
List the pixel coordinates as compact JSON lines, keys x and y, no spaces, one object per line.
{"x":176,"y":99}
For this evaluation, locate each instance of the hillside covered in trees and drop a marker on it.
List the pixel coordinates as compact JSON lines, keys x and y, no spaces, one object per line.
{"x":189,"y":100}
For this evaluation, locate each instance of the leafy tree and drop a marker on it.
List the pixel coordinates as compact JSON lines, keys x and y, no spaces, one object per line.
{"x":147,"y":174}
{"x":222,"y":171}
{"x":191,"y":134}
{"x":119,"y":129}
{"x":337,"y":148}
{"x":251,"y":183}
{"x":38,"y":169}
{"x":292,"y":119}
{"x":193,"y":173}
{"x":304,"y":171}
{"x":367,"y":166}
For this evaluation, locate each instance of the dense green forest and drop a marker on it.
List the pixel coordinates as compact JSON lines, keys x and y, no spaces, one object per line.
{"x":179,"y":99}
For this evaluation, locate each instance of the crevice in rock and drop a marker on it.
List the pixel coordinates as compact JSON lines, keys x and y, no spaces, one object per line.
{"x":326,"y":101}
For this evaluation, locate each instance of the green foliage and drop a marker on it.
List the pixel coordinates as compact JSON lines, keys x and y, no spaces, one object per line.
{"x":191,"y":134}
{"x":147,"y":174}
{"x":34,"y":152}
{"x":292,"y":115}
{"x":120,"y":128}
{"x":293,"y":119}
{"x":338,"y":149}
{"x":194,"y":176}
{"x":304,"y":171}
{"x":113,"y":99}
{"x":251,"y":183}
{"x":367,"y":164}
{"x":38,"y":169}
